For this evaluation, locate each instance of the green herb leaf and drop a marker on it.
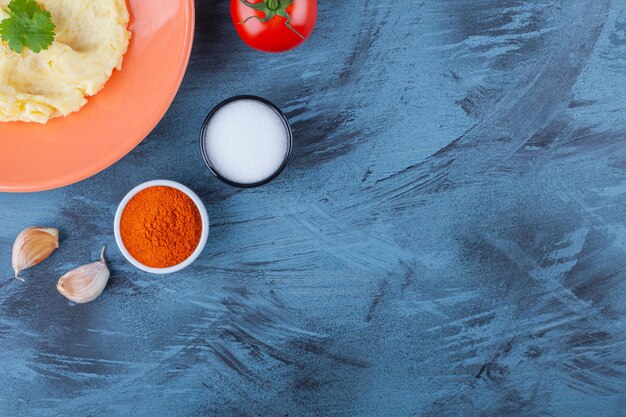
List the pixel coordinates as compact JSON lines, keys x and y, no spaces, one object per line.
{"x":28,"y":25}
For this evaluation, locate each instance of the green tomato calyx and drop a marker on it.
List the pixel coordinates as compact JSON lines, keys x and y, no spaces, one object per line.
{"x":271,"y":9}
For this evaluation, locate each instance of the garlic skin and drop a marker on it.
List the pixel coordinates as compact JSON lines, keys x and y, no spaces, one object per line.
{"x":33,"y":246}
{"x":85,"y":283}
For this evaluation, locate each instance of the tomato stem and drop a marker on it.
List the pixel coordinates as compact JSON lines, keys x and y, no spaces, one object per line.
{"x":272,"y":8}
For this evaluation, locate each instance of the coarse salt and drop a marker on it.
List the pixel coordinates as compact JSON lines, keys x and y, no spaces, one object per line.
{"x":246,"y":141}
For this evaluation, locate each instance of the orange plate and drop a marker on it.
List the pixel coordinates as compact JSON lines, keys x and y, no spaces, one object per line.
{"x":36,"y":157}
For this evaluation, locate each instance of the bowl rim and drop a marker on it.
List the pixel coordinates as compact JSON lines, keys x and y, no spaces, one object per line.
{"x":205,"y":154}
{"x":203,"y":215}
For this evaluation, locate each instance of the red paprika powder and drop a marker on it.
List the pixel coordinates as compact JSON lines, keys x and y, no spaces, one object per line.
{"x":161,"y":227}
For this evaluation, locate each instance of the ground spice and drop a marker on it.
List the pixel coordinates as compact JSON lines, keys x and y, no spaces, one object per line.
{"x":161,"y":227}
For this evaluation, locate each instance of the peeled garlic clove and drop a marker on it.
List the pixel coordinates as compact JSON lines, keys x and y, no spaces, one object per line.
{"x":33,"y":246}
{"x":85,"y":283}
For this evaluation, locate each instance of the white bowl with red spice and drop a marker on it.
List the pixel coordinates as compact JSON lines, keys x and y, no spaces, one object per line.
{"x":161,"y":226}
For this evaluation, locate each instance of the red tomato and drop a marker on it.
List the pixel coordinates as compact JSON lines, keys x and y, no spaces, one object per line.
{"x":274,"y":25}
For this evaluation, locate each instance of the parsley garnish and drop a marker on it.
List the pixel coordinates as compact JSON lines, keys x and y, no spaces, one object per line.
{"x":28,"y":25}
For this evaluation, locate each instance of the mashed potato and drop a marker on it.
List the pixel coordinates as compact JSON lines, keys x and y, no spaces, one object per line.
{"x":91,"y":40}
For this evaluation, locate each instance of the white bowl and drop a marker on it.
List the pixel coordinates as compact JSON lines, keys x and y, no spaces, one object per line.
{"x":203,"y":237}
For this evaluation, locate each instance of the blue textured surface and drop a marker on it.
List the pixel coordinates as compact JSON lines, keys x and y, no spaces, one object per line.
{"x":448,"y":240}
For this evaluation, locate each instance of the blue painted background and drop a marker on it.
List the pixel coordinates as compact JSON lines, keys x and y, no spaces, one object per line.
{"x":448,"y":240}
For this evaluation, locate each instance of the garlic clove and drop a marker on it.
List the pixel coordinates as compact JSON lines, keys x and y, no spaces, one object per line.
{"x":33,"y":246}
{"x":85,"y":283}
